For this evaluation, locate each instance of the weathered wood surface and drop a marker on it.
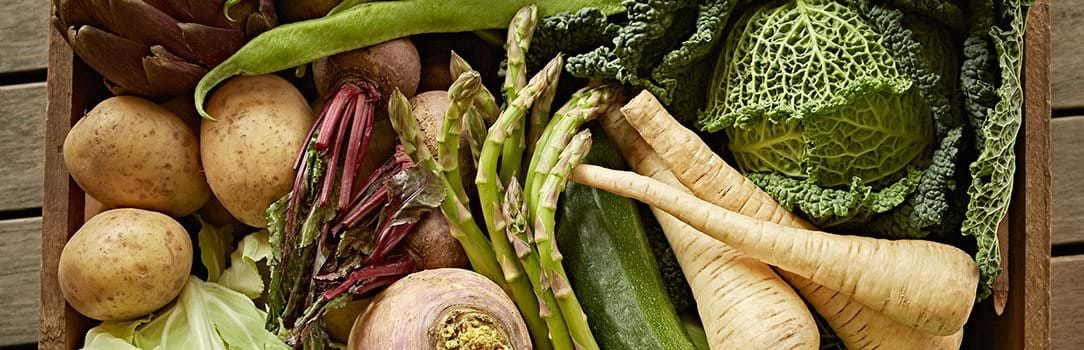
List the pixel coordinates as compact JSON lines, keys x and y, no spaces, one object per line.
{"x":20,"y":253}
{"x":1068,"y":181}
{"x":1068,"y":54}
{"x":1067,"y":296}
{"x":22,"y":125}
{"x":60,"y":327}
{"x":24,"y":42}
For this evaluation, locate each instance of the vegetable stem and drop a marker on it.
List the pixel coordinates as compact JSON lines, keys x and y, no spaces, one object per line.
{"x":520,"y":32}
{"x":554,"y":273}
{"x":462,"y":227}
{"x":487,"y":183}
{"x":460,"y":96}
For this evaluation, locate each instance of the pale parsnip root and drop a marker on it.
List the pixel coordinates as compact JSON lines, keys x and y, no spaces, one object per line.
{"x":927,"y":285}
{"x":714,"y":180}
{"x":741,"y":301}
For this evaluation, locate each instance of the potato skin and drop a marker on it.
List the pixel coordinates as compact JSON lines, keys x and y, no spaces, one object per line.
{"x":432,"y":246}
{"x":125,"y":263}
{"x":129,"y":152}
{"x":249,"y":153}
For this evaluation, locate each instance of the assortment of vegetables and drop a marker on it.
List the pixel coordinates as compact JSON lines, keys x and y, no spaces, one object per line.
{"x":349,"y":181}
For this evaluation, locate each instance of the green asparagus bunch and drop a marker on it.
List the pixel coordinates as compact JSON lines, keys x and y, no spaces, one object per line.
{"x":516,"y":249}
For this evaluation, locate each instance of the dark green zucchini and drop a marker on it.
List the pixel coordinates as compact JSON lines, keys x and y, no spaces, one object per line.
{"x":611,"y":266}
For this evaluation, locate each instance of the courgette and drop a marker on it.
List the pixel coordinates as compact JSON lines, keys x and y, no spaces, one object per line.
{"x":611,"y":266}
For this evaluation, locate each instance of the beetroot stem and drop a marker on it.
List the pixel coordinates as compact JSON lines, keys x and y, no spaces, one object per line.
{"x":336,"y":150}
{"x":357,"y":146}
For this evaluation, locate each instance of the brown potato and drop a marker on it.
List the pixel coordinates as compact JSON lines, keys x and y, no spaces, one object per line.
{"x":129,"y":152}
{"x":124,"y":263}
{"x":249,"y":153}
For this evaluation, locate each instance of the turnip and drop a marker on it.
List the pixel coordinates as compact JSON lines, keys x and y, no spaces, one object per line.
{"x":441,"y":309}
{"x":124,"y":263}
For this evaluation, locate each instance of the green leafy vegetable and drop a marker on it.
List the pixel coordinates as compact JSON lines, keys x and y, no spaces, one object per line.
{"x":247,"y":263}
{"x":995,"y":112}
{"x":204,"y":316}
{"x":661,"y":45}
{"x":834,"y":108}
{"x":214,"y":243}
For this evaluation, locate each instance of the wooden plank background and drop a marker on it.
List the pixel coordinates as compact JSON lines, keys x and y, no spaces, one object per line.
{"x":23,"y":55}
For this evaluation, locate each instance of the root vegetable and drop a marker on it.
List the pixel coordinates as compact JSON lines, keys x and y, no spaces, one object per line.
{"x":735,"y":294}
{"x":129,"y":152}
{"x":248,"y":154}
{"x":429,"y":108}
{"x":387,"y":66}
{"x":432,"y":246}
{"x":710,"y":178}
{"x":124,"y":263}
{"x":339,"y":321}
{"x":440,"y":309}
{"x":435,"y":74}
{"x":923,"y":284}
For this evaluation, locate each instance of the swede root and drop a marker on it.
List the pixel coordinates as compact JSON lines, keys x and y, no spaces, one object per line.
{"x":927,"y":285}
{"x":440,"y":309}
{"x":712,"y":179}
{"x":741,"y":301}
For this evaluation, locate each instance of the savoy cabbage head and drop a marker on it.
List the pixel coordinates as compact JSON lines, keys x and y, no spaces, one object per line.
{"x":836,"y":110}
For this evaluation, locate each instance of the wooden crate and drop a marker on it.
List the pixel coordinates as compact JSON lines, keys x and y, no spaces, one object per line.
{"x":1024,"y":324}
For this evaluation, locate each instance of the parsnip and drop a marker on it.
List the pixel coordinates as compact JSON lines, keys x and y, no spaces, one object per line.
{"x":710,"y":178}
{"x":741,"y":301}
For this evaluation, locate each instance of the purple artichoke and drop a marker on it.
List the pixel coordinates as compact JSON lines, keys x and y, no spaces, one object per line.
{"x":158,"y":48}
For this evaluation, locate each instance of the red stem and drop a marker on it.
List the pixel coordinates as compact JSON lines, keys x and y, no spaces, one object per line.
{"x":388,"y":240}
{"x":360,"y":132}
{"x":373,"y":273}
{"x":336,"y":148}
{"x":335,"y":111}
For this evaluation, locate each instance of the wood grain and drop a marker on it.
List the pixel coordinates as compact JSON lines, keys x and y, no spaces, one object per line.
{"x":71,"y":88}
{"x":1068,"y":179}
{"x":19,"y":255}
{"x":24,"y":30}
{"x":22,"y":115}
{"x":1068,"y":55}
{"x":1067,"y":293}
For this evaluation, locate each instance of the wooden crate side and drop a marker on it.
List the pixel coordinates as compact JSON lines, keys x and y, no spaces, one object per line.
{"x":69,"y":90}
{"x":1031,"y":266}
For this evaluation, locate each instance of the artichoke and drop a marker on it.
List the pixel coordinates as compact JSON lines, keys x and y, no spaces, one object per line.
{"x":158,"y":48}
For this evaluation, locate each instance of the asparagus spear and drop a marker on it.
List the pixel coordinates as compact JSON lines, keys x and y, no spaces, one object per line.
{"x":582,"y":107}
{"x":487,"y":183}
{"x":460,"y":96}
{"x":553,"y":273}
{"x":540,"y":116}
{"x":485,"y":103}
{"x":514,"y":222}
{"x":520,"y":32}
{"x":462,"y":225}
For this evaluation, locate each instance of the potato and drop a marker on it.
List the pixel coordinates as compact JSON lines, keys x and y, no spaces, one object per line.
{"x":124,"y":263}
{"x":129,"y":152}
{"x":249,"y":153}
